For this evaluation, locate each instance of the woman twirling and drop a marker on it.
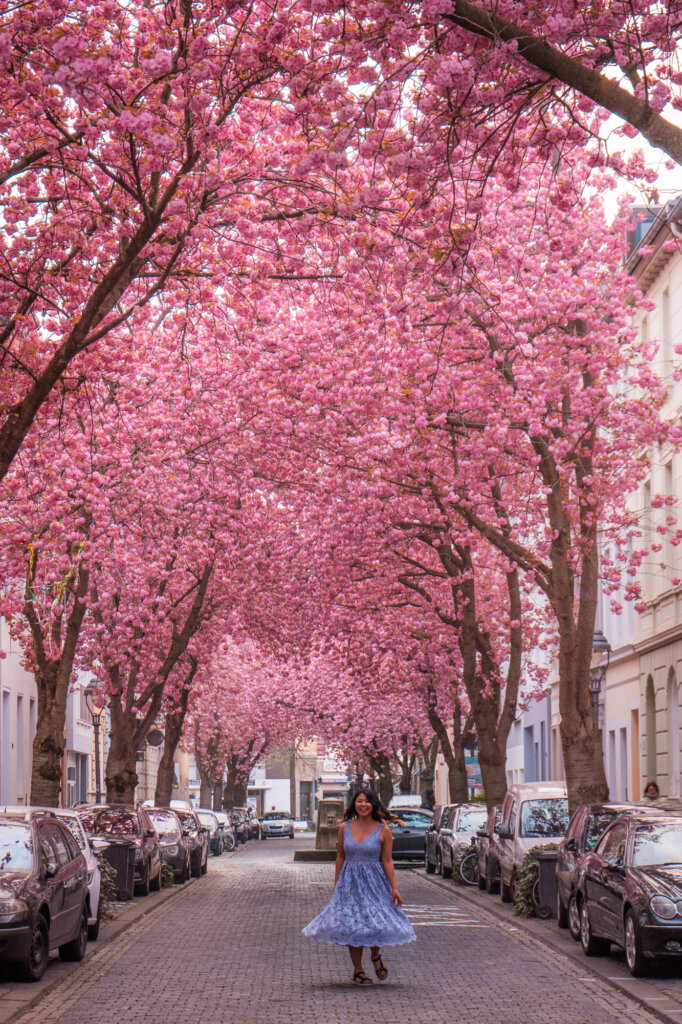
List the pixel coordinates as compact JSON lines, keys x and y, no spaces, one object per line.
{"x":365,"y":906}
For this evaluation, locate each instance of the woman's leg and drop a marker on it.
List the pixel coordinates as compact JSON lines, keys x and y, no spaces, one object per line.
{"x":356,"y":957}
{"x":381,"y":971}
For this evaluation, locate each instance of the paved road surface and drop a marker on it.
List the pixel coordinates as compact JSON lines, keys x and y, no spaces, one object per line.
{"x":229,"y":949}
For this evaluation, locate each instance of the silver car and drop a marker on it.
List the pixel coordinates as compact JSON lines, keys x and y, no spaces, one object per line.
{"x":276,"y":824}
{"x":456,"y":835}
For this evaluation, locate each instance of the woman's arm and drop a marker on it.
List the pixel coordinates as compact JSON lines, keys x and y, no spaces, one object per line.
{"x":387,"y":861}
{"x":340,"y":852}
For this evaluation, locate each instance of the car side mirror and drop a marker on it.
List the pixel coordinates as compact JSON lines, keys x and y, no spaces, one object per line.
{"x":150,"y":833}
{"x":185,"y":831}
{"x":481,"y":833}
{"x":204,"y":830}
{"x":50,"y":871}
{"x":570,"y":845}
{"x":504,"y":832}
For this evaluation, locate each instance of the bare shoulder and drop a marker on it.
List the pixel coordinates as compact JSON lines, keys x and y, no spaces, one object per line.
{"x":386,"y":833}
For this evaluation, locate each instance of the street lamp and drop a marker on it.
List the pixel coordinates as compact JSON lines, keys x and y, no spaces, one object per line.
{"x":601,"y":655}
{"x":96,"y":713}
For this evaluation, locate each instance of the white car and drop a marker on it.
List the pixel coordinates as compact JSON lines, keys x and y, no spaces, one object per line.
{"x":533,"y":814}
{"x":68,"y":816}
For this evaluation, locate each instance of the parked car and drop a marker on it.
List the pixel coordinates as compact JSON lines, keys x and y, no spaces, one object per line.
{"x":440,"y":816}
{"x":409,"y":832}
{"x":112,"y":823}
{"x":461,"y":826}
{"x":240,"y":825}
{"x":584,"y":830}
{"x":197,"y":837}
{"x":533,"y":813}
{"x":629,"y":890}
{"x":275,"y":824}
{"x":174,"y":847}
{"x":487,"y":852}
{"x":229,"y":838}
{"x":43,"y":893}
{"x":215,"y":832}
{"x":68,"y":817}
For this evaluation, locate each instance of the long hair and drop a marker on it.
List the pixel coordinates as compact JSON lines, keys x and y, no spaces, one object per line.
{"x":379,"y":812}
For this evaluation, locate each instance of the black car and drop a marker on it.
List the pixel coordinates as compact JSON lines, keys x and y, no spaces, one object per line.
{"x":440,"y":815}
{"x":486,"y":852}
{"x":106,"y":824}
{"x":584,"y":829}
{"x":251,"y":820}
{"x":629,"y":890}
{"x":43,"y":894}
{"x":409,"y":832}
{"x":197,"y":837}
{"x":173,"y":846}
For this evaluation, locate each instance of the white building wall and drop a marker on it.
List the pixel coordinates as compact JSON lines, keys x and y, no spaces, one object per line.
{"x":18,"y":710}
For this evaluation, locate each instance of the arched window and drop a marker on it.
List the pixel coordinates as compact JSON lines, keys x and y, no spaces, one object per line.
{"x":650,"y":705}
{"x":674,"y":732}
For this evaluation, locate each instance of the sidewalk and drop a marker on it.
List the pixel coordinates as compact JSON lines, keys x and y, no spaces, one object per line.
{"x":662,"y":996}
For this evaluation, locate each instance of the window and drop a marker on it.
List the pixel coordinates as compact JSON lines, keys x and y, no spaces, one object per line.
{"x":546,"y":817}
{"x":60,"y":847}
{"x":614,"y":844}
{"x":71,"y":844}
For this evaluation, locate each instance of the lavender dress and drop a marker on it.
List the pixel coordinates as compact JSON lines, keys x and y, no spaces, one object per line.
{"x":361,"y":911}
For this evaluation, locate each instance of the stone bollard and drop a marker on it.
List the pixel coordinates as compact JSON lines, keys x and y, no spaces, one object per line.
{"x":329,"y":818}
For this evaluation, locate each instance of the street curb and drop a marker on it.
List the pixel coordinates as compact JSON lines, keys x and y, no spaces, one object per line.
{"x":639,"y":990}
{"x":24,"y":996}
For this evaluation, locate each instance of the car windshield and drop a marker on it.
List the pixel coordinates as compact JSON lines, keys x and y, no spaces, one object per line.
{"x":207,"y":819}
{"x":546,"y":817}
{"x":76,"y":828}
{"x":164,"y":822}
{"x":188,"y":820}
{"x":110,"y":823}
{"x":469,"y":821}
{"x":276,"y":816}
{"x":16,"y":849}
{"x":415,"y":819}
{"x":658,"y":844}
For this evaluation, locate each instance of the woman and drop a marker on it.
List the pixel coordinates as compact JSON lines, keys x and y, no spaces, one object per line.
{"x":652,"y":792}
{"x":365,"y":906}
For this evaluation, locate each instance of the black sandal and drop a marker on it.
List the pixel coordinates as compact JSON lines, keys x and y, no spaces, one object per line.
{"x":360,"y":978}
{"x":380,"y":968}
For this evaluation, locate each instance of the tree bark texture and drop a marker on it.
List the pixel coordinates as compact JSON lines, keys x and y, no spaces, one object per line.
{"x":174,"y":725}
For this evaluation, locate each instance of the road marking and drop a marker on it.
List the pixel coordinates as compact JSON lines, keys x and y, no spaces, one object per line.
{"x":441,"y":917}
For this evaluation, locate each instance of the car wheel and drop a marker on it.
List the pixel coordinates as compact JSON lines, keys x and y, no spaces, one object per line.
{"x":439,"y":863}
{"x":492,"y":885}
{"x":75,"y":950}
{"x":184,"y":874}
{"x":561,"y":912}
{"x":505,"y":891}
{"x":263,"y":837}
{"x":482,"y":881}
{"x":592,"y":946}
{"x":634,"y":956}
{"x":33,"y":968}
{"x":446,"y":872}
{"x":155,"y":883}
{"x":93,"y":929}
{"x":291,"y":836}
{"x":204,"y":866}
{"x":428,"y":866}
{"x":573,"y":916}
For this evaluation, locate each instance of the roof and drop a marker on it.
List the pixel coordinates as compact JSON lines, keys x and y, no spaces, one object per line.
{"x":527,"y":790}
{"x":667,"y":225}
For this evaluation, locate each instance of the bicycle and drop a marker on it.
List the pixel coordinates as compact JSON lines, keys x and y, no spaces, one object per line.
{"x":468,"y":868}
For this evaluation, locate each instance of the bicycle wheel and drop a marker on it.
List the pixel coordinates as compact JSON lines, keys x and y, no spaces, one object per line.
{"x":468,"y":869}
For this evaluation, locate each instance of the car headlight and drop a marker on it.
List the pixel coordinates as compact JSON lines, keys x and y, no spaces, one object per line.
{"x":12,"y":910}
{"x":171,"y":848}
{"x":663,"y":907}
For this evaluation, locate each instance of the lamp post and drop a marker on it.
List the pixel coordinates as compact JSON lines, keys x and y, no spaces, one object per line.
{"x":601,"y":655}
{"x":96,"y":714}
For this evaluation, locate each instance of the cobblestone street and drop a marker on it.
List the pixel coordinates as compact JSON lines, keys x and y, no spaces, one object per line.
{"x":230,"y":949}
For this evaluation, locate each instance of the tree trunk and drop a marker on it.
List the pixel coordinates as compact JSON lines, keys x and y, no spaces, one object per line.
{"x":48,"y":752}
{"x":205,"y":792}
{"x":175,"y":723}
{"x":428,"y":778}
{"x":230,"y":790}
{"x":293,"y":787}
{"x":380,"y":765}
{"x":121,"y":774}
{"x":240,"y":793}
{"x":452,"y":749}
